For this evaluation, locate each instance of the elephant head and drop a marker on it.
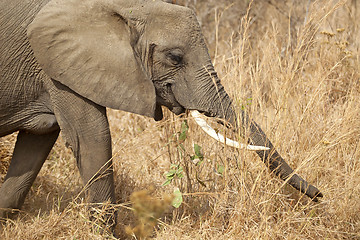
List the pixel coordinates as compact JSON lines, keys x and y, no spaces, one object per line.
{"x":137,"y":56}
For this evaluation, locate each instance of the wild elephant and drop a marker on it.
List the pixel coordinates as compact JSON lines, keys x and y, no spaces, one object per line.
{"x":62,"y":62}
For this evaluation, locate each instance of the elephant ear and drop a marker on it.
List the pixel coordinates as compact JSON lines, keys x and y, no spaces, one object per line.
{"x":89,"y":46}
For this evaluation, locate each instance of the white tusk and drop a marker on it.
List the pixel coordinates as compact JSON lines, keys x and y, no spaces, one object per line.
{"x":217,"y":136}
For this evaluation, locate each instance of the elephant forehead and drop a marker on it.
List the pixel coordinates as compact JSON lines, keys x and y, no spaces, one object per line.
{"x":164,"y":30}
{"x":170,"y":18}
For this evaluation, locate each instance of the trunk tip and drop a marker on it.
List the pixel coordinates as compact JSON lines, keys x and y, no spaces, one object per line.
{"x":314,"y":193}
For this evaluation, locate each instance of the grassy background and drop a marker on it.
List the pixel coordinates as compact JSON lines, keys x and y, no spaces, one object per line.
{"x":295,"y":67}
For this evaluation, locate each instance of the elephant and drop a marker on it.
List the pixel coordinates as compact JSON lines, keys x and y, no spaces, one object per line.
{"x":63,"y":62}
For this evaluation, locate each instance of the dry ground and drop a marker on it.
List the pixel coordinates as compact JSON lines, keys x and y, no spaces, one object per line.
{"x":294,"y":66}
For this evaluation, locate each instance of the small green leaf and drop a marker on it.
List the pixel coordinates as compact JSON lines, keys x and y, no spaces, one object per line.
{"x":184,"y":126}
{"x":178,"y":199}
{"x":220,"y":169}
{"x":197,"y":150}
{"x":179,"y":172}
{"x":174,"y":172}
{"x":184,"y":129}
{"x":174,"y":166}
{"x":198,"y":157}
{"x":182,"y":136}
{"x":170,"y":173}
{"x":167,"y":182}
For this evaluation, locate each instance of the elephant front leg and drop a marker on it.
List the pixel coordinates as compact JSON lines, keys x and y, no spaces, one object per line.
{"x":95,"y":166}
{"x":86,"y":130}
{"x":30,"y":152}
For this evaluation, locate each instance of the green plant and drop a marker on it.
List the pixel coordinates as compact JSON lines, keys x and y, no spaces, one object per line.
{"x":176,"y":171}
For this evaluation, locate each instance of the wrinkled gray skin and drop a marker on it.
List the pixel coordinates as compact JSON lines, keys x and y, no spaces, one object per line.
{"x":63,"y":62}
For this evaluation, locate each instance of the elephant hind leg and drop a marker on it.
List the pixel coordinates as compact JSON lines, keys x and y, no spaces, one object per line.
{"x":30,"y":153}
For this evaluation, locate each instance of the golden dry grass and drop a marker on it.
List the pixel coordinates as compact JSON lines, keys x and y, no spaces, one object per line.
{"x":299,"y":63}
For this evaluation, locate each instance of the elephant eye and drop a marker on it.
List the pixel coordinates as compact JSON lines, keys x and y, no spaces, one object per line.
{"x":175,"y":57}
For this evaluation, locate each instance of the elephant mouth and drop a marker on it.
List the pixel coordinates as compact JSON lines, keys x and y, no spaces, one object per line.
{"x":178,"y":110}
{"x":165,"y":97}
{"x":173,"y":106}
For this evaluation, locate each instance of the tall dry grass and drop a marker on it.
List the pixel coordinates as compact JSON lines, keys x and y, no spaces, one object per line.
{"x":295,"y":67}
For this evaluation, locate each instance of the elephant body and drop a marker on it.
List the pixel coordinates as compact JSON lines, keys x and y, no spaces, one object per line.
{"x":28,"y":97}
{"x":62,"y":62}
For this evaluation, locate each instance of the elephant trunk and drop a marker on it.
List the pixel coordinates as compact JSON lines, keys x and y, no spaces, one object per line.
{"x":257,"y":137}
{"x":277,"y":164}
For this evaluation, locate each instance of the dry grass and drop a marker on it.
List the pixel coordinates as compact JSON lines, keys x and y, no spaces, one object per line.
{"x":299,"y":63}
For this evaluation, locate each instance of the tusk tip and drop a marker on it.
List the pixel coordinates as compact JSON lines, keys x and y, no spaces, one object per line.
{"x":256,"y":148}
